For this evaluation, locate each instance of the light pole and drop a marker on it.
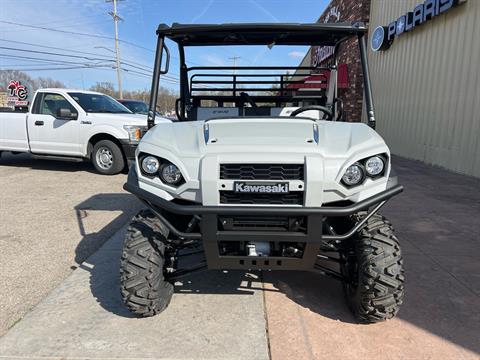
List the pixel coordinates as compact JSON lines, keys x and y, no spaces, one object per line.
{"x":116,"y":18}
{"x":234,"y":58}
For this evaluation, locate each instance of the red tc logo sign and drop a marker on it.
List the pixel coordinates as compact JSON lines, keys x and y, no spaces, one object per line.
{"x":15,"y":89}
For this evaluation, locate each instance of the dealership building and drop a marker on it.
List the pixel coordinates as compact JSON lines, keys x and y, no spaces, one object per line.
{"x":424,"y":65}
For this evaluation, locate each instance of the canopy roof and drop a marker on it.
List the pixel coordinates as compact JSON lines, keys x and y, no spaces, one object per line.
{"x":260,"y":34}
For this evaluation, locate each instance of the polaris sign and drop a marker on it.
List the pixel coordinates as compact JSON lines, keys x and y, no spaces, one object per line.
{"x":383,"y":36}
{"x":259,"y":188}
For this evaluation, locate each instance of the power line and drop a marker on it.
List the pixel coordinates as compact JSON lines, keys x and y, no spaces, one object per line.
{"x":76,"y":33}
{"x":62,"y":22}
{"x":87,"y":65}
{"x":69,"y":50}
{"x":8,"y":56}
{"x":61,"y":62}
{"x":128,"y":63}
{"x":63,"y":68}
{"x":51,"y":53}
{"x":76,"y":56}
{"x":96,"y":67}
{"x":86,"y":34}
{"x":172,"y":79}
{"x":71,"y":24}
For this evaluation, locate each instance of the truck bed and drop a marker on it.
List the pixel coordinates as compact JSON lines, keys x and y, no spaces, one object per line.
{"x":13,"y":132}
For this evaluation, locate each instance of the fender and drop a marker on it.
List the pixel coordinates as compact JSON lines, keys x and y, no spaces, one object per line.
{"x":117,"y":133}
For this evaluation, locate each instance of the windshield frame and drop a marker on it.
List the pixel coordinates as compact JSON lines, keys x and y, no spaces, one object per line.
{"x":315,"y":34}
{"x":75,"y":95}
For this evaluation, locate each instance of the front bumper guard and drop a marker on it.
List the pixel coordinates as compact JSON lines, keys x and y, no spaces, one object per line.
{"x":132,"y":186}
{"x":314,"y":238}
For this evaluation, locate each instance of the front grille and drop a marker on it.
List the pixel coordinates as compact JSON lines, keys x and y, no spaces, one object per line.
{"x":254,"y":223}
{"x":261,"y":171}
{"x":262,"y":223}
{"x":292,"y":198}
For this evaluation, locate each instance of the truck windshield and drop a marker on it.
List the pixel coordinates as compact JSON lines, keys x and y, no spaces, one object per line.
{"x":98,"y":103}
{"x":137,"y":107}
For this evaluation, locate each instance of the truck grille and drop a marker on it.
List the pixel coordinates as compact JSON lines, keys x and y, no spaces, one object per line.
{"x":261,"y":172}
{"x":292,"y":198}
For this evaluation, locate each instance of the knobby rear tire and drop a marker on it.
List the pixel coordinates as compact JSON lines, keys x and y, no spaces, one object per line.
{"x":144,"y":289}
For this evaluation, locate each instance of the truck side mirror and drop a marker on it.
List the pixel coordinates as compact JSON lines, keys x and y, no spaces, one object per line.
{"x":66,"y":114}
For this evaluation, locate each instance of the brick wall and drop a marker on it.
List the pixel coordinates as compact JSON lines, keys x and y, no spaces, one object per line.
{"x":349,"y":11}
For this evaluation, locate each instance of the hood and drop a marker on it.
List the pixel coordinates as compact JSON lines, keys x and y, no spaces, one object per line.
{"x":247,"y":135}
{"x":251,"y":131}
{"x":127,"y":119}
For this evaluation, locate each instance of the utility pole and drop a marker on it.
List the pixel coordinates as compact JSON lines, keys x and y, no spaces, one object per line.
{"x":117,"y":18}
{"x":234,"y":58}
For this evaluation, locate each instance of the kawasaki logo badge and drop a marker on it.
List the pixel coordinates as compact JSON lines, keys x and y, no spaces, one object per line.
{"x":261,"y":188}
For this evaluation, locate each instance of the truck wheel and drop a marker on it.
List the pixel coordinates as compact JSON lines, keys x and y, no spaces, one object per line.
{"x":374,"y":271}
{"x":143,"y":286}
{"x":107,"y":158}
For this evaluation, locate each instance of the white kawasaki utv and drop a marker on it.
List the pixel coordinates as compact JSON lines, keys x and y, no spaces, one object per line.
{"x":261,"y":174}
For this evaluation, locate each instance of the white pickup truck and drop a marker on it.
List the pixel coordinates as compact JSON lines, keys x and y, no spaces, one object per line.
{"x":75,"y":125}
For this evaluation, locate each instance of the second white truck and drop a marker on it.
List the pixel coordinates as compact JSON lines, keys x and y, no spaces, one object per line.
{"x":75,"y":125}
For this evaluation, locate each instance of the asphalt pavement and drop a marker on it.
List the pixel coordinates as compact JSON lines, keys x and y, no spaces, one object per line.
{"x":53,"y":215}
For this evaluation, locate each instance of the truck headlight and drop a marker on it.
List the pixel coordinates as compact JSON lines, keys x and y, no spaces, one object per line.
{"x":170,"y":174}
{"x":374,"y":165}
{"x":134,"y":132}
{"x":150,"y":164}
{"x":353,"y":175}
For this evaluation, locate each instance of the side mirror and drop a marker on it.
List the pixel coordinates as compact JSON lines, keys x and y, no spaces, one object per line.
{"x":167,"y":60}
{"x":66,"y":114}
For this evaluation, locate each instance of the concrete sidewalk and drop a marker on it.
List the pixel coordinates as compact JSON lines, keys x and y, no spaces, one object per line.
{"x":437,"y":222}
{"x":216,"y":317}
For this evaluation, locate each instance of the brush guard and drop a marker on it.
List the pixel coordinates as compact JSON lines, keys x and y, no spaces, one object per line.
{"x":314,"y":238}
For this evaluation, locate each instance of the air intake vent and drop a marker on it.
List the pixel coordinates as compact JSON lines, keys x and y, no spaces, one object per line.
{"x":230,"y":197}
{"x":261,"y":172}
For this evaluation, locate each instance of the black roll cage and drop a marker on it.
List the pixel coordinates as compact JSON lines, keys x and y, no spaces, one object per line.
{"x":249,"y":34}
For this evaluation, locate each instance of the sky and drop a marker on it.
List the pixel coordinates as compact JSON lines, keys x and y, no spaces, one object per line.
{"x":27,"y":25}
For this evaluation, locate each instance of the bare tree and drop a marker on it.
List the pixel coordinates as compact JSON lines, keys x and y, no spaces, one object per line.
{"x":165,"y":101}
{"x":104,"y":87}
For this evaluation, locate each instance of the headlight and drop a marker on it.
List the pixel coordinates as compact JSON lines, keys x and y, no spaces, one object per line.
{"x":353,"y":175}
{"x":374,"y":165}
{"x":134,"y":132}
{"x":170,"y":174}
{"x":150,"y":164}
